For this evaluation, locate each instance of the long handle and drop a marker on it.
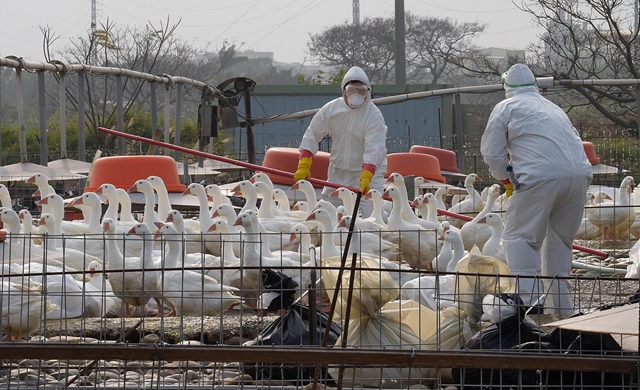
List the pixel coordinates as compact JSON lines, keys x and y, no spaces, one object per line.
{"x":287,"y":174}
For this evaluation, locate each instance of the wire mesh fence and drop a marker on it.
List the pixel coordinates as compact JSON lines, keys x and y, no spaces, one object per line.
{"x":256,"y":316}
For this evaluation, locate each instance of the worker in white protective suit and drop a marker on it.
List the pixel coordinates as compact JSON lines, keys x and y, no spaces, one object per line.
{"x":547,"y":189}
{"x":358,"y":139}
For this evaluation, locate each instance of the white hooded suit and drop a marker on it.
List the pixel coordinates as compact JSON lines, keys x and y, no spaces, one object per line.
{"x":537,"y":139}
{"x":358,"y":136}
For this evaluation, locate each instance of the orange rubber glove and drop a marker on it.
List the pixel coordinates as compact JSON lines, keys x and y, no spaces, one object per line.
{"x":365,"y":177}
{"x":508,"y":187}
{"x":304,"y":166}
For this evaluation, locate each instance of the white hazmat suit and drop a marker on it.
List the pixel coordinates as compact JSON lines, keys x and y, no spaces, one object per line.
{"x":358,"y":136}
{"x":537,"y":139}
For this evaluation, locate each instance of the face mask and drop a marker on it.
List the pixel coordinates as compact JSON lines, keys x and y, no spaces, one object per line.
{"x":355,"y":101}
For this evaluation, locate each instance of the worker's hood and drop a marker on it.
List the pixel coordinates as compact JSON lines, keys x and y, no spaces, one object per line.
{"x":355,"y":74}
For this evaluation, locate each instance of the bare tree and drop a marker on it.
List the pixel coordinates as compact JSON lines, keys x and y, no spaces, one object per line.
{"x":151,"y":49}
{"x":369,"y":46}
{"x":432,"y":44}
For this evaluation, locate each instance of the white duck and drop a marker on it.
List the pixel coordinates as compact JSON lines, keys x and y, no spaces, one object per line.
{"x":190,"y":293}
{"x":494,"y":246}
{"x":471,"y":205}
{"x":418,"y":245}
{"x":477,"y":234}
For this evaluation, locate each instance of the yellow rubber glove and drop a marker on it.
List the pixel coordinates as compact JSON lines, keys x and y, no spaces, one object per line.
{"x":508,"y":187}
{"x":365,"y":181}
{"x":304,"y":169}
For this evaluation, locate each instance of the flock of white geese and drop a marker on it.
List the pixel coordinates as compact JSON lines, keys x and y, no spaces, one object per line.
{"x":163,"y":263}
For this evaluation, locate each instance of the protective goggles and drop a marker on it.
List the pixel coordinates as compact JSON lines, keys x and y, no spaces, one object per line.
{"x":503,"y":80}
{"x":353,"y":89}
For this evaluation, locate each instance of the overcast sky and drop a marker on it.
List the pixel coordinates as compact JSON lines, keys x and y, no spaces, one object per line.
{"x":279,"y":26}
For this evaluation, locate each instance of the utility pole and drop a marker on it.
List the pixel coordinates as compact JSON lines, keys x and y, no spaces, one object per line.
{"x":401,"y":62}
{"x":93,"y":17}
{"x":356,"y":12}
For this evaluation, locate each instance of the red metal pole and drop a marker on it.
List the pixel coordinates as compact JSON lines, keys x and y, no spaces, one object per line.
{"x":288,"y":174}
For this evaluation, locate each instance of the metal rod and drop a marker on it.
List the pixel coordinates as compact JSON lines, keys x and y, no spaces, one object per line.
{"x":305,"y":355}
{"x":42,"y":111}
{"x":63,"y":116}
{"x":176,"y":140}
{"x":81,"y":119}
{"x":120,"y":112}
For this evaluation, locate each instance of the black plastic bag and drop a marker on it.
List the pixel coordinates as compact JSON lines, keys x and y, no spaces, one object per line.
{"x":522,"y":334}
{"x":504,"y":335}
{"x":292,"y":328}
{"x":283,"y":285}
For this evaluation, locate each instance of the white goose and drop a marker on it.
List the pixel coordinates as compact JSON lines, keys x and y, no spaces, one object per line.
{"x":375,"y":243}
{"x":151,"y":267}
{"x":214,"y":192}
{"x":329,"y":249}
{"x":253,"y":256}
{"x":309,"y":192}
{"x":150,"y":216}
{"x":377,"y":214}
{"x":246,"y":189}
{"x":347,"y":197}
{"x":397,"y":180}
{"x":126,"y":284}
{"x":5,"y":197}
{"x":195,"y":259}
{"x":418,"y":245}
{"x":22,"y":308}
{"x":72,"y":259}
{"x":125,"y":206}
{"x":471,"y":205}
{"x":477,"y":234}
{"x":281,"y":199}
{"x":100,"y":287}
{"x":109,"y":191}
{"x":41,"y":180}
{"x":164,"y":204}
{"x":612,"y":217}
{"x":441,"y":261}
{"x":56,"y":205}
{"x":428,"y":206}
{"x":190,"y":293}
{"x":494,"y":246}
{"x":441,"y":194}
{"x":92,"y":203}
